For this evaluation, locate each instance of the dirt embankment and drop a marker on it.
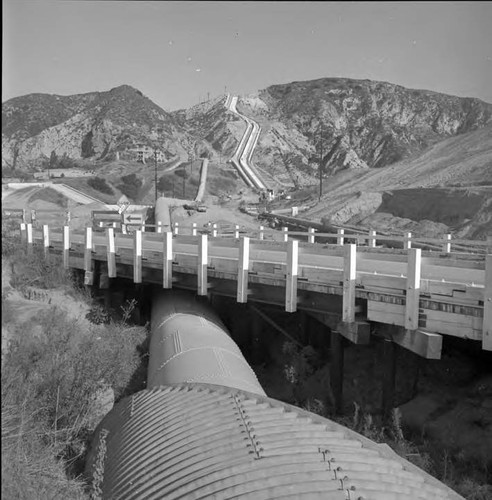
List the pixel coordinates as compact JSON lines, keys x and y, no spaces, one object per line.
{"x":466,"y":212}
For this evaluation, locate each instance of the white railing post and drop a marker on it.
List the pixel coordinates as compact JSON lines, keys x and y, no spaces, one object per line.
{"x":159,"y":226}
{"x":167,"y":260}
{"x":202,"y":264}
{"x":285,"y":234}
{"x":46,"y":240}
{"x":111,"y":252}
{"x":176,"y":228}
{"x":243,"y":270}
{"x":291,"y":277}
{"x":214,"y":230}
{"x":407,"y":244}
{"x":29,"y":238}
{"x":236,"y":232}
{"x":311,"y":235}
{"x":66,"y":246}
{"x":193,"y":229}
{"x":143,"y":227}
{"x":23,"y":232}
{"x":137,"y":256}
{"x":446,"y":248}
{"x":372,"y":239}
{"x":294,"y":211}
{"x":413,"y":289}
{"x":349,"y":277}
{"x":340,"y":238}
{"x":262,"y":233}
{"x":88,"y":251}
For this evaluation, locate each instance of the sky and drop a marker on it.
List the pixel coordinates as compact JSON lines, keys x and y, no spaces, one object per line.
{"x":181,"y":53}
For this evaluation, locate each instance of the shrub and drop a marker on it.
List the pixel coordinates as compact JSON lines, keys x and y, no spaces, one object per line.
{"x":34,"y":270}
{"x":100,"y":184}
{"x":131,"y":186}
{"x":164,"y":183}
{"x":30,"y":470}
{"x":182,"y":173}
{"x":55,"y":369}
{"x":10,"y":237}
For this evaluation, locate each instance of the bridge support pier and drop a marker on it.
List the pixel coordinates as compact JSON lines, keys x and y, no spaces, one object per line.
{"x":388,"y":379}
{"x":256,"y":337}
{"x":304,"y":326}
{"x":105,"y":285}
{"x":336,"y":369}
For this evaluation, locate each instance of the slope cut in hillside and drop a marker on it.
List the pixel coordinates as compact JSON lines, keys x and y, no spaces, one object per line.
{"x":447,"y":188}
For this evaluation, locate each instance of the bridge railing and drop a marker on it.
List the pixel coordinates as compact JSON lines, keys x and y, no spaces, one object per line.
{"x":413,"y":290}
{"x":372,"y":240}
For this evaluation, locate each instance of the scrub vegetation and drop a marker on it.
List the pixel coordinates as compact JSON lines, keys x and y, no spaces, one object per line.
{"x":59,"y":376}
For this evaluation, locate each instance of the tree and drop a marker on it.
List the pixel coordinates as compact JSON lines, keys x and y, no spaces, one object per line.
{"x":131,"y":186}
{"x":53,"y":160}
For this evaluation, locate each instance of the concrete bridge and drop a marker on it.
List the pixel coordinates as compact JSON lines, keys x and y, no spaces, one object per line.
{"x":412,"y":296}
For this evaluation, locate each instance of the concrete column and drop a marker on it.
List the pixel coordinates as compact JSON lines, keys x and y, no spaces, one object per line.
{"x":388,"y":379}
{"x":336,"y":370}
{"x":256,"y":341}
{"x":304,"y":325}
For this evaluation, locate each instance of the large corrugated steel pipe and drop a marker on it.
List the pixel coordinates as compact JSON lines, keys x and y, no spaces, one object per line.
{"x":189,"y":343}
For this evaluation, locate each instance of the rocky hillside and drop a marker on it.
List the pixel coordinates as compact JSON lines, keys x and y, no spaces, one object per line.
{"x":93,"y":125}
{"x":349,"y":124}
{"x":354,"y":124}
{"x":213,"y":132}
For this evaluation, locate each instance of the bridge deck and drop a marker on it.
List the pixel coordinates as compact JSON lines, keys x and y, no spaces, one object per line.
{"x":423,"y":295}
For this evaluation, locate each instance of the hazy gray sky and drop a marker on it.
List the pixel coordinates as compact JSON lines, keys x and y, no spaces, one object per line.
{"x":177,"y":52}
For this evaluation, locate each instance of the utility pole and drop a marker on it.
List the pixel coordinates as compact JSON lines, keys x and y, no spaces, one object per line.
{"x":155,"y":173}
{"x":320,"y":166}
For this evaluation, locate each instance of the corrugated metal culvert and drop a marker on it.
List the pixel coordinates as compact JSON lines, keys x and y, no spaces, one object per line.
{"x":205,"y":429}
{"x":193,"y":441}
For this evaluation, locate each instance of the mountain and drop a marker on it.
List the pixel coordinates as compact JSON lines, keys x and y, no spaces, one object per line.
{"x":348,"y":124}
{"x":352,"y":124}
{"x":92,"y":125}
